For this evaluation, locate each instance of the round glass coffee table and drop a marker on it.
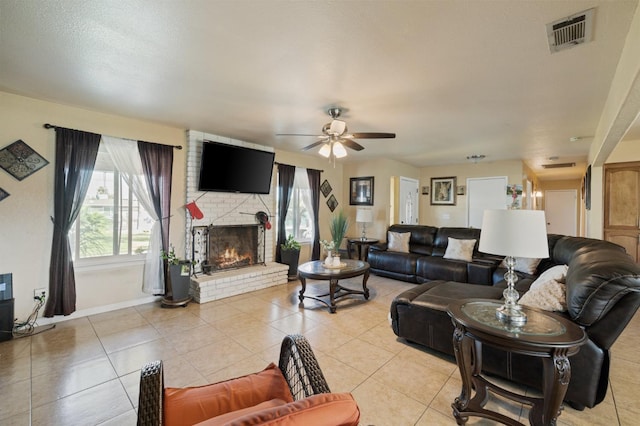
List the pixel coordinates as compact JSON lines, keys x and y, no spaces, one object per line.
{"x":545,"y":335}
{"x":316,"y":270}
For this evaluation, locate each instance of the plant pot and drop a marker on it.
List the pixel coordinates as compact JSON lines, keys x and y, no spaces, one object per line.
{"x":179,"y":283}
{"x":291,"y":258}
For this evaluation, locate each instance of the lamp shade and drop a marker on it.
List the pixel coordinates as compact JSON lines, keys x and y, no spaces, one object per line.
{"x":517,"y":233}
{"x":364,"y":215}
{"x":338,"y":150}
{"x":325,"y":150}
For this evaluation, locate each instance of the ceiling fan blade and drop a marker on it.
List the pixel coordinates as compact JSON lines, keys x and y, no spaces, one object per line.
{"x":294,"y":134}
{"x":373,"y":135}
{"x":352,"y":144}
{"x":313,"y":145}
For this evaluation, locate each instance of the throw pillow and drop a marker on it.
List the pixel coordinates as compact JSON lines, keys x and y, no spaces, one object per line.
{"x":524,"y":264}
{"x":557,"y":273}
{"x":549,"y":295}
{"x":459,"y":249}
{"x":398,"y":241}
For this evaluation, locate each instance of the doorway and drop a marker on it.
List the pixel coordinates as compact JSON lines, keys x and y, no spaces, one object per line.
{"x":408,"y":201}
{"x":561,"y":211}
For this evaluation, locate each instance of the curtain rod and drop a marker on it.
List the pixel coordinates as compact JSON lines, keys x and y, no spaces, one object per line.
{"x":275,"y":162}
{"x":52,"y":126}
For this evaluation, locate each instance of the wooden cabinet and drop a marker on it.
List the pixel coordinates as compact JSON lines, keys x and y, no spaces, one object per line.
{"x":622,"y":206}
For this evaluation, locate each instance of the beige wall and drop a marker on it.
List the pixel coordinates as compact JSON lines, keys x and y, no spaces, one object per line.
{"x":457,"y":215}
{"x":621,"y":109}
{"x":25,"y":224}
{"x":382,"y":170}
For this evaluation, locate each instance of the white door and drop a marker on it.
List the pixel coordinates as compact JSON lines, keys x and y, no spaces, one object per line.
{"x":560,"y":209}
{"x":484,"y":194}
{"x":408,"y":202}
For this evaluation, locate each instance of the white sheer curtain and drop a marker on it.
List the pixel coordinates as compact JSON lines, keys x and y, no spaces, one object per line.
{"x":125,"y":156}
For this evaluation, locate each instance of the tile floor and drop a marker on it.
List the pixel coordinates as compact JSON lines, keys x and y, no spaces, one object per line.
{"x":85,"y":371}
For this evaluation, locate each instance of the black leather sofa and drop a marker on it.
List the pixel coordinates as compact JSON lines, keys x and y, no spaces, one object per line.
{"x":425,"y":261}
{"x":602,"y":294}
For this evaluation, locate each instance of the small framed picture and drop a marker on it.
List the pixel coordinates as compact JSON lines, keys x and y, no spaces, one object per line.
{"x":325,"y":188}
{"x":425,"y":190}
{"x":332,"y":203}
{"x":443,"y":191}
{"x":361,"y":191}
{"x":461,"y":190}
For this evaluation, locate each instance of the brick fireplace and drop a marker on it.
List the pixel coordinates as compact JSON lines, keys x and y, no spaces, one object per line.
{"x":211,"y":242}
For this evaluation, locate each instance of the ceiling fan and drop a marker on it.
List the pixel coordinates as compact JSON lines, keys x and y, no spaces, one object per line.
{"x":334,"y":137}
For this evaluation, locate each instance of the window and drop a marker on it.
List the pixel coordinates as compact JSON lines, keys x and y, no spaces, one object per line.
{"x":111,"y":221}
{"x":299,"y":220}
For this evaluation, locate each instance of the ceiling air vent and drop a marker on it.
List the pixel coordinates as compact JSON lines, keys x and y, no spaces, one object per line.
{"x":558,"y":165}
{"x":571,"y":31}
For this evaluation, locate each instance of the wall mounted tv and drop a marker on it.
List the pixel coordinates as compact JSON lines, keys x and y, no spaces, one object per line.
{"x":231,"y":168}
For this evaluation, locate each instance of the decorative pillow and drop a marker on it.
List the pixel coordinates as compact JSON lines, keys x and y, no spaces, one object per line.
{"x":524,"y":264}
{"x":557,"y":273}
{"x":192,"y":405}
{"x":549,"y":295}
{"x":398,"y":241}
{"x":459,"y":249}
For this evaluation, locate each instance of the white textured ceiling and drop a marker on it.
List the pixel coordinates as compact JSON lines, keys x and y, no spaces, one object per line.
{"x":450,"y":78}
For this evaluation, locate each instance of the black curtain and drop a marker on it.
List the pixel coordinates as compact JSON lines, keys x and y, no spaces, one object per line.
{"x":286,"y":175}
{"x":314,"y":184}
{"x":157,"y":164}
{"x":76,"y":154}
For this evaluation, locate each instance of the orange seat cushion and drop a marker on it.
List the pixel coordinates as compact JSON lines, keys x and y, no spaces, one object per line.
{"x":339,"y":409}
{"x":188,"y":406}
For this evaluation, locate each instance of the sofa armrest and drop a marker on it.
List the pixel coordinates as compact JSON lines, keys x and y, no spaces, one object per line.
{"x":378,"y":246}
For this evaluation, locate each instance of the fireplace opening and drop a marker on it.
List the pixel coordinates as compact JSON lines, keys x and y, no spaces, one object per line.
{"x":234,"y":246}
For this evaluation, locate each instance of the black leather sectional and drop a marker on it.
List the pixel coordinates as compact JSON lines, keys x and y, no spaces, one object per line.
{"x":602,"y":293}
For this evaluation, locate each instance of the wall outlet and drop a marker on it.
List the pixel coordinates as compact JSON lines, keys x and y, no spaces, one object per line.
{"x":39,"y":292}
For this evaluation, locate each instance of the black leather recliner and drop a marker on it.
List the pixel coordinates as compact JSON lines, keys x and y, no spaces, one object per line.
{"x":603,"y":294}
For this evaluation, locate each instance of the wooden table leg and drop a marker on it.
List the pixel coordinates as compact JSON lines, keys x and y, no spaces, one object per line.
{"x":365,"y":278}
{"x":462,"y":348}
{"x":333,"y":285}
{"x":555,"y":380}
{"x":303,"y":281}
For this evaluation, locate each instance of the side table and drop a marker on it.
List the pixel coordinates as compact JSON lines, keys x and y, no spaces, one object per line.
{"x":545,"y":335}
{"x":361,"y":245}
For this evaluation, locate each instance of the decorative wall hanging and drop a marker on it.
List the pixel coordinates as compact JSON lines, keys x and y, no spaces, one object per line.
{"x":325,"y":188}
{"x":514,"y":197}
{"x":443,"y":191}
{"x":20,"y":160}
{"x":3,"y":194}
{"x":461,"y":190}
{"x":425,"y":190}
{"x":332,"y":203}
{"x":361,"y":191}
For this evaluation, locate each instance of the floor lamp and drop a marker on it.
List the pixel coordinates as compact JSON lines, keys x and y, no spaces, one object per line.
{"x":513,"y":233}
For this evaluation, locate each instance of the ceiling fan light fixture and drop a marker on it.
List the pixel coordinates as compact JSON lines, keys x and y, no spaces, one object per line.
{"x":338,"y":150}
{"x":337,"y":127}
{"x":325,"y":150}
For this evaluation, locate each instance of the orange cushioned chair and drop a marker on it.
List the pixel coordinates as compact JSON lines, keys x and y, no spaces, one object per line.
{"x":293,"y":393}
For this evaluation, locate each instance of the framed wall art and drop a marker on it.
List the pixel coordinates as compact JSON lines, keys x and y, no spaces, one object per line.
{"x":325,"y":188}
{"x":443,"y":191}
{"x":20,"y":160}
{"x":361,"y":191}
{"x":332,"y":202}
{"x":461,"y":190}
{"x":3,"y":194}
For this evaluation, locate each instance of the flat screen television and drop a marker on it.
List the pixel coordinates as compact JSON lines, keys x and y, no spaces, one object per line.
{"x":231,"y":168}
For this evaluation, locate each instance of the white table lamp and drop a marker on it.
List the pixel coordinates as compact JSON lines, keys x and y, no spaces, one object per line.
{"x":513,"y":233}
{"x":364,"y":216}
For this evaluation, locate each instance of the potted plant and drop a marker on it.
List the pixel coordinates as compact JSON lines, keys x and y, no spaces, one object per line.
{"x":290,"y":255}
{"x":179,"y":279}
{"x":338,"y":227}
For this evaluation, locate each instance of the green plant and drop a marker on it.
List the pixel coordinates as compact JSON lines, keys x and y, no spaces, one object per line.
{"x":172,"y":258}
{"x":290,"y":244}
{"x":338,"y":227}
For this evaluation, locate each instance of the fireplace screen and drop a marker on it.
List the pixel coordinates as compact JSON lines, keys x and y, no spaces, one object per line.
{"x":235,"y":246}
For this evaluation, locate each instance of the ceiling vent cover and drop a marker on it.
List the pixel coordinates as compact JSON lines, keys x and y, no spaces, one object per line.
{"x":558,"y":165}
{"x":571,"y":31}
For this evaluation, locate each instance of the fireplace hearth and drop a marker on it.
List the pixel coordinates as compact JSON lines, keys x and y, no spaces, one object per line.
{"x":233,"y":247}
